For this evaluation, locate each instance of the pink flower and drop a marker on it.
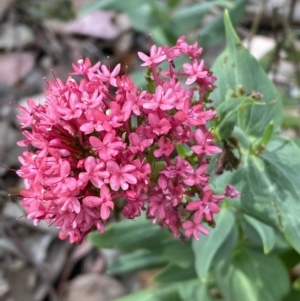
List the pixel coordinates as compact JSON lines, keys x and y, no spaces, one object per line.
{"x":157,"y":206}
{"x":94,"y":122}
{"x":156,"y":56}
{"x":120,"y":177}
{"x":163,"y":100}
{"x":26,"y":116}
{"x":197,"y":177}
{"x":194,"y":71}
{"x":142,"y":172}
{"x":94,"y":172}
{"x":106,"y":76}
{"x":231,"y":192}
{"x":165,"y":148}
{"x":138,"y":145}
{"x":115,"y":117}
{"x":191,"y":50}
{"x":205,"y":144}
{"x":194,"y":116}
{"x":84,"y":66}
{"x":175,"y":192}
{"x":193,"y":228}
{"x":69,"y":203}
{"x":104,"y":202}
{"x":125,"y":83}
{"x":62,"y":183}
{"x":99,"y":138}
{"x":91,"y":101}
{"x":73,"y":110}
{"x":159,"y":126}
{"x":183,"y":167}
{"x":204,"y":207}
{"x":109,"y":147}
{"x":135,"y":99}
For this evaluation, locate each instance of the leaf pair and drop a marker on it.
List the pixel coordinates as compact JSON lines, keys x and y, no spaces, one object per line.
{"x":250,"y":110}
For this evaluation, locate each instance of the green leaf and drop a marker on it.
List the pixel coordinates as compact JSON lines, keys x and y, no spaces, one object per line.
{"x":213,"y":32}
{"x":135,"y":261}
{"x":174,"y":273}
{"x":139,"y":78}
{"x":271,"y":188}
{"x":160,"y":36}
{"x":227,"y":112}
{"x":237,"y":70}
{"x":194,"y":290}
{"x":268,"y":178}
{"x":142,"y":19}
{"x":290,"y":258}
{"x":227,"y":246}
{"x":173,"y":3}
{"x":252,"y":276}
{"x":296,"y":284}
{"x":206,"y":248}
{"x":130,"y":235}
{"x":188,"y":17}
{"x":111,"y":4}
{"x":292,"y":296}
{"x":262,"y":143}
{"x":266,"y":233}
{"x":166,"y":293}
{"x":183,"y":150}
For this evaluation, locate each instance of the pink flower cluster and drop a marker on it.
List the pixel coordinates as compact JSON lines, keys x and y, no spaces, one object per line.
{"x":101,"y":142}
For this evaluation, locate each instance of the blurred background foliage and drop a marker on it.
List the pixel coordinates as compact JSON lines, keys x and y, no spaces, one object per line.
{"x":168,"y":20}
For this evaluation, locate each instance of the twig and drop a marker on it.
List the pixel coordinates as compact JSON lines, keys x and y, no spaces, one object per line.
{"x":278,"y":39}
{"x":291,"y":40}
{"x":256,"y":22}
{"x":292,"y":10}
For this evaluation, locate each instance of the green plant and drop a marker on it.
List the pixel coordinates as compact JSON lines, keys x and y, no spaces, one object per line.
{"x":256,"y":242}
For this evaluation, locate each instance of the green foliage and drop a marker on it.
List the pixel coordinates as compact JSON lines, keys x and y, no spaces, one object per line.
{"x":271,"y":170}
{"x":135,"y":261}
{"x":167,"y":20}
{"x":256,"y":241}
{"x":173,"y":273}
{"x":194,"y":290}
{"x":265,"y":232}
{"x":213,"y":32}
{"x":271,"y":192}
{"x":41,"y":10}
{"x":142,"y":234}
{"x":223,"y":237}
{"x":243,"y":81}
{"x":165,"y":293}
{"x":252,"y":276}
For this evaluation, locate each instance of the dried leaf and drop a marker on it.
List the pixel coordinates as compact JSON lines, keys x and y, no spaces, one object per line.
{"x":14,"y":66}
{"x":93,"y":287}
{"x":18,"y":284}
{"x":97,"y":24}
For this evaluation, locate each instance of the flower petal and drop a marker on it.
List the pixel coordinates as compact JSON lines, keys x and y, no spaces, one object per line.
{"x":131,"y":179}
{"x":112,"y":167}
{"x":92,"y":201}
{"x":115,"y":182}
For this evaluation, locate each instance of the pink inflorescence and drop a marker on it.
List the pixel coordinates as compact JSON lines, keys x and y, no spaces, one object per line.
{"x":102,"y":143}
